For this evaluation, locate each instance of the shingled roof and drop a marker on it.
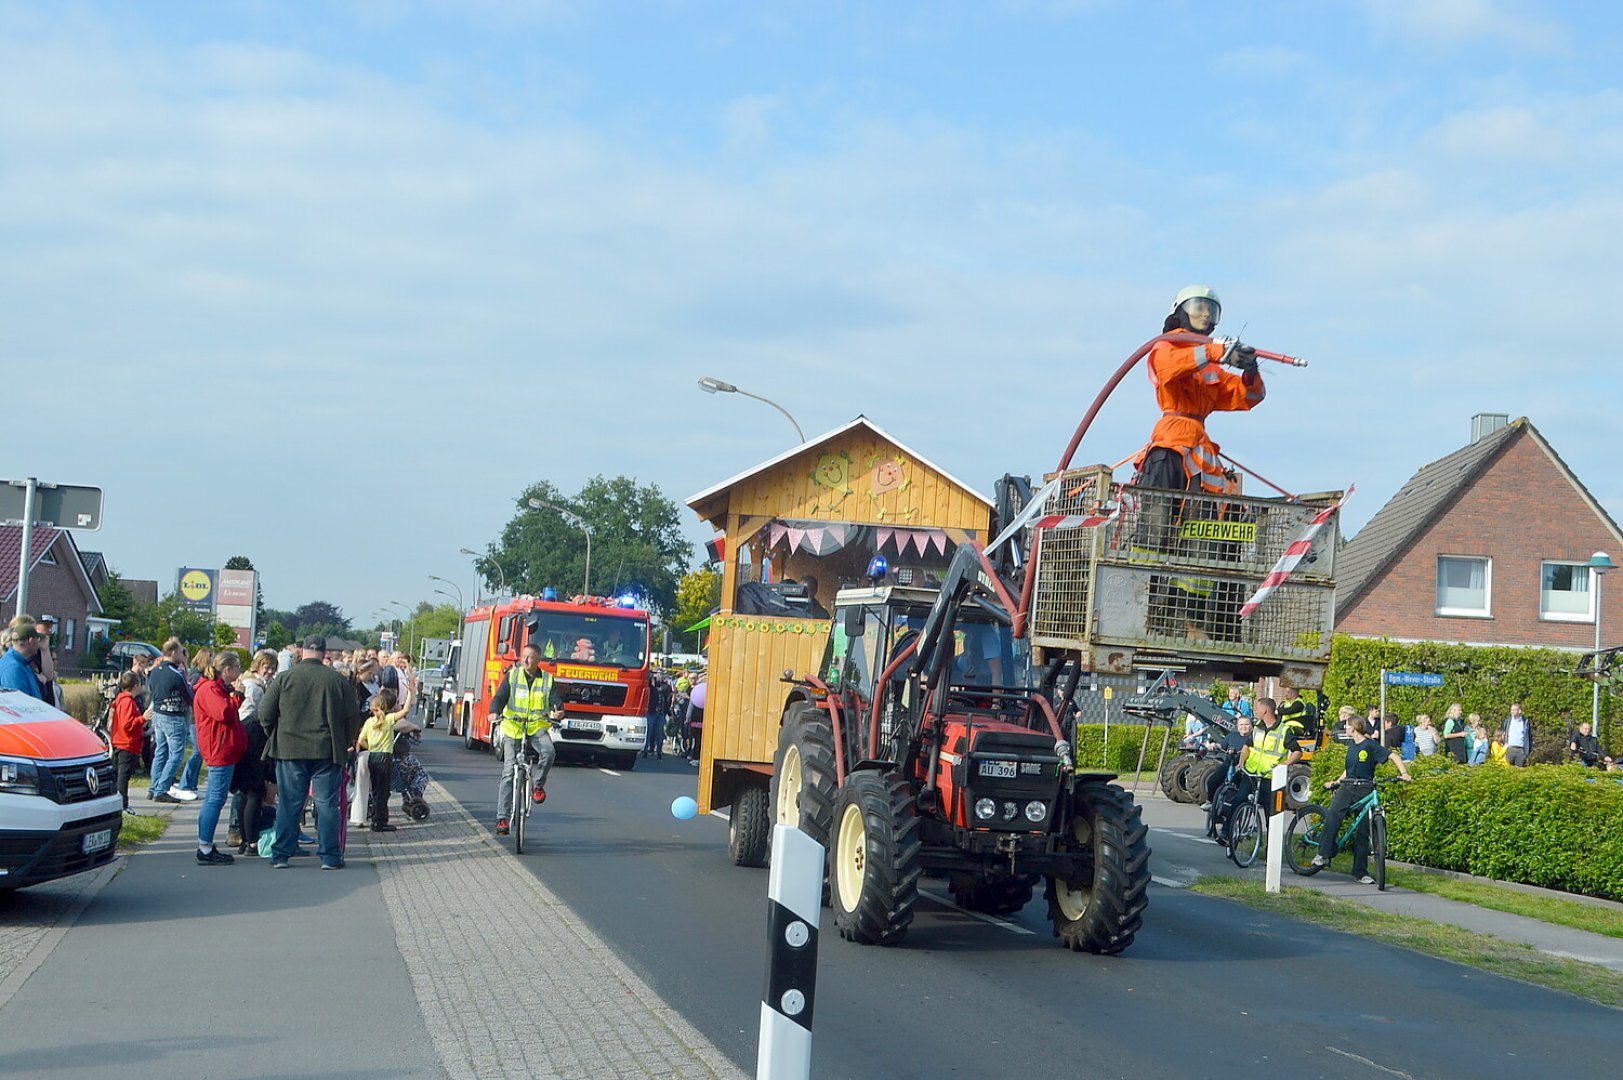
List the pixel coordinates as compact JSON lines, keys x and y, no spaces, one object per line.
{"x":1428,"y":494}
{"x":11,"y":554}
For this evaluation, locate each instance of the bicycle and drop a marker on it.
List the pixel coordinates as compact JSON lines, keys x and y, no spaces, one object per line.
{"x":1248,"y":829}
{"x":1306,"y":830}
{"x":519,"y":813}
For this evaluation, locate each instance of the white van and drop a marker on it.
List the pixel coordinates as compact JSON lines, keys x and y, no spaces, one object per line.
{"x":60,"y":813}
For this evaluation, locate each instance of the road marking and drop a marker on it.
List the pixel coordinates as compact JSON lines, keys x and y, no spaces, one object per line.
{"x":1371,"y":1064}
{"x":1169,"y":882}
{"x":981,"y":915}
{"x":607,"y":772}
{"x":1181,"y":834}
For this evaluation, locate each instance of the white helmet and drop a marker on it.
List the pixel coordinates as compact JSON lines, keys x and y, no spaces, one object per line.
{"x":1194,"y":301}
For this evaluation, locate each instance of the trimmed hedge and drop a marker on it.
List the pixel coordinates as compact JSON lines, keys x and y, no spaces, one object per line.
{"x":1555,"y":826}
{"x":1483,"y":679}
{"x":1126,"y":740}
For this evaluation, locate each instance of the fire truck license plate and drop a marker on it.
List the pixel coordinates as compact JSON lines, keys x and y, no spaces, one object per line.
{"x":1003,"y":769}
{"x":97,"y":840}
{"x":583,"y":725}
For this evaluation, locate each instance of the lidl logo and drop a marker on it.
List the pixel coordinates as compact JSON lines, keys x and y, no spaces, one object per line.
{"x":195,"y":586}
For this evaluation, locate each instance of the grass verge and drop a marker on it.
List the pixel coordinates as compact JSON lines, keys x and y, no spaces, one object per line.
{"x":141,"y":830}
{"x":1510,"y":959}
{"x":1550,"y":909}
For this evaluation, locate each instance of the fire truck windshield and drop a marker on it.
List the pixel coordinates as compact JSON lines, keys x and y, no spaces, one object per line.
{"x":595,"y":637}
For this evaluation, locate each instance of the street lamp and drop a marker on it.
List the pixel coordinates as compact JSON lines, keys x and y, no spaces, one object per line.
{"x":1599,"y":563}
{"x":572,"y":518}
{"x":500,"y":573}
{"x":435,"y":577}
{"x":410,"y":620}
{"x":716,"y":386}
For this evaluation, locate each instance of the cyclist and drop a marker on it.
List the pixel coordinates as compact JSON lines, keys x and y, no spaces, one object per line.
{"x":1353,"y":784}
{"x":525,"y":701}
{"x":1232,"y":747}
{"x":1272,"y":742}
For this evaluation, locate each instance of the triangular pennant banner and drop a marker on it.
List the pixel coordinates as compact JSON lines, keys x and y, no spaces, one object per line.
{"x":939,"y":539}
{"x":775,"y":535}
{"x":885,"y":533}
{"x":795,"y":536}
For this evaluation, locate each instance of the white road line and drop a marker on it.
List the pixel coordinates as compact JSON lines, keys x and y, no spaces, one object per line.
{"x":608,"y":772}
{"x":1371,"y":1064}
{"x":981,"y":915}
{"x":1181,"y":834}
{"x":1169,"y":882}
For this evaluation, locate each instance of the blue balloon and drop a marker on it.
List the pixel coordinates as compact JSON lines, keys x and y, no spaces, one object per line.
{"x":683,"y":808}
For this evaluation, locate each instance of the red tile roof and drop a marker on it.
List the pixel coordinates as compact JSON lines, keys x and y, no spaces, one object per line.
{"x":11,"y":553}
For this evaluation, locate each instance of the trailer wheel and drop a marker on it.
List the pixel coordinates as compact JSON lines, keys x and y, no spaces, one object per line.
{"x":1104,"y":914}
{"x":876,"y":859}
{"x":1171,"y":775}
{"x":992,"y":895}
{"x":749,"y":826}
{"x":803,"y":772}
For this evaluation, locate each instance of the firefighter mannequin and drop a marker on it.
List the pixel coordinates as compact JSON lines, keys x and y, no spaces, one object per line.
{"x":1190,"y":384}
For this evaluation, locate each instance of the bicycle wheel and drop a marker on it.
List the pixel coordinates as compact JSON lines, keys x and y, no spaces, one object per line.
{"x":1377,"y":848}
{"x":1302,"y":839}
{"x":521,"y":808}
{"x":1246,"y":832}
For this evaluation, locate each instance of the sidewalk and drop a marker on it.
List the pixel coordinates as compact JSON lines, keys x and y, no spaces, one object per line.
{"x":400,"y":965}
{"x":1187,"y":824}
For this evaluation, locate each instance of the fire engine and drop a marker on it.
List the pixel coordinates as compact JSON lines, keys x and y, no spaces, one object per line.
{"x":597,"y":651}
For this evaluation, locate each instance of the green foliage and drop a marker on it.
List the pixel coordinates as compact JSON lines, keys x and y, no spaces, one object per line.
{"x":224,"y":636}
{"x":1126,"y":741}
{"x":429,"y":621}
{"x":116,"y":600}
{"x":320,"y":617}
{"x":636,"y":543}
{"x":1483,"y":679}
{"x":697,"y":595}
{"x":238,"y":562}
{"x":277,"y":635}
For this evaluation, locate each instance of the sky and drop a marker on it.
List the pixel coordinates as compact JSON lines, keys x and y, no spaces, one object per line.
{"x":328,"y":284}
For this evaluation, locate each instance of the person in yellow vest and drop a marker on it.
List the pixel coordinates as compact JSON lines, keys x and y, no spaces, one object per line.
{"x":525,"y":702}
{"x":1272,"y":743}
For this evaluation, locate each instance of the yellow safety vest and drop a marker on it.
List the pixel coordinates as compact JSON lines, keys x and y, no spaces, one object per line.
{"x":528,"y":701}
{"x":1268,"y":748}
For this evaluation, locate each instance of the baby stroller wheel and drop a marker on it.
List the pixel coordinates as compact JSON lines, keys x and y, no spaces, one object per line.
{"x":416,"y":809}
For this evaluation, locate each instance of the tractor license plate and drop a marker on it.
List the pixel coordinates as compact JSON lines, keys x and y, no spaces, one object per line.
{"x":583,"y":725}
{"x":1001,"y":769}
{"x":95,"y":841}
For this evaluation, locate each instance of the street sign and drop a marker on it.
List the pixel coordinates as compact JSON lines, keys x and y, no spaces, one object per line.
{"x":1412,"y":678}
{"x":67,"y":506}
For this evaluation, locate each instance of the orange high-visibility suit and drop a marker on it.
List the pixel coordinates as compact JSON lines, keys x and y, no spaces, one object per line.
{"x":1190,"y":384}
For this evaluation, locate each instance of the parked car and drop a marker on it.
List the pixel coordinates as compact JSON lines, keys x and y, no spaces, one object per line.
{"x":123,"y":653}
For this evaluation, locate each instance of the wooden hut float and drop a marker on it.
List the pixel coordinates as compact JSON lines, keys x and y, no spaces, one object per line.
{"x":797,"y":528}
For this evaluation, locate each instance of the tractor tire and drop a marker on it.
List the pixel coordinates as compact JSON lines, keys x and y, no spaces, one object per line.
{"x":993,"y":896}
{"x":876,"y":859}
{"x":749,"y":826}
{"x":1170,"y":773}
{"x":1192,"y":782}
{"x":1298,"y":786}
{"x":1105,"y":914}
{"x":803,"y":774}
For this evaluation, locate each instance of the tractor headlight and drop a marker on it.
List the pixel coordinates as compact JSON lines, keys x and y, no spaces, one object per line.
{"x":1036,"y":811}
{"x":985,"y":808}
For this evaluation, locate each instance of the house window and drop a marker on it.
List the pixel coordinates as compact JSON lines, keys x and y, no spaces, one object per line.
{"x":71,"y":637}
{"x":1564,"y":594}
{"x":47,"y":559}
{"x":1464,"y":585}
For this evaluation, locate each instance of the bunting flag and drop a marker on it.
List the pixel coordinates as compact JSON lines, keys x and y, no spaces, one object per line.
{"x":920,"y":540}
{"x":1084,"y":521}
{"x":1293,"y":555}
{"x":819,"y":538}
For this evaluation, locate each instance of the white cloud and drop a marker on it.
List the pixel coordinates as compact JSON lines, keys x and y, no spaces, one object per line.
{"x":1453,"y":23}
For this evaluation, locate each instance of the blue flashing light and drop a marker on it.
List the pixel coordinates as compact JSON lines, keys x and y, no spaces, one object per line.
{"x":628,"y":601}
{"x":549,"y":593}
{"x":878,"y":567}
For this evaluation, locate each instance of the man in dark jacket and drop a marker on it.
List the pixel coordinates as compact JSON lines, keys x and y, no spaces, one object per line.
{"x":311,"y":718}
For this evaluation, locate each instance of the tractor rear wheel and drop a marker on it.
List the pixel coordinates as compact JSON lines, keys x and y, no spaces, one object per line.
{"x":1171,"y":772}
{"x":749,"y":827}
{"x":876,"y":859}
{"x":1192,"y":782}
{"x":1104,"y":914}
{"x":803,"y":775}
{"x":992,"y":895}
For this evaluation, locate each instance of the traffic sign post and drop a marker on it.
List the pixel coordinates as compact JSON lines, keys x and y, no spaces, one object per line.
{"x":1404,"y":678}
{"x":29,"y":503}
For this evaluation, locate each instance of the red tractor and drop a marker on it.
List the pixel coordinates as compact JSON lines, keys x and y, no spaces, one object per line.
{"x":927,"y":744}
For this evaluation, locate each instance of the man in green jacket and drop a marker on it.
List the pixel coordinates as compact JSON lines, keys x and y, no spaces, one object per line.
{"x":311,"y":718}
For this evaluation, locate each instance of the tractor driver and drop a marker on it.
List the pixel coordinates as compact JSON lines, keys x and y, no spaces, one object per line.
{"x":1190,"y":384}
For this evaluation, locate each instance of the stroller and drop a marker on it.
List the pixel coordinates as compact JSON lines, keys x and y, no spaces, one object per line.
{"x":411,"y":780}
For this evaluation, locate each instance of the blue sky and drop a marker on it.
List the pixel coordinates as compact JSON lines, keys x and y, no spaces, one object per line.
{"x":328,"y":284}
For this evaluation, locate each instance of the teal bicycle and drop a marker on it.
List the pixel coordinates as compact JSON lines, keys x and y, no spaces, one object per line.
{"x":1307,"y":829}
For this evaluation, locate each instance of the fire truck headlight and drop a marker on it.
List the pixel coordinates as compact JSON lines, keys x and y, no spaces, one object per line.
{"x":985,"y":808}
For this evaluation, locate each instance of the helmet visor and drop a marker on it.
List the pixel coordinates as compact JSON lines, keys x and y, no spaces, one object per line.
{"x":1201,"y":313}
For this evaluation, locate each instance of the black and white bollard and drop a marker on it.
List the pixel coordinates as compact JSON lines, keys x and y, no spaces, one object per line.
{"x":795,"y":902}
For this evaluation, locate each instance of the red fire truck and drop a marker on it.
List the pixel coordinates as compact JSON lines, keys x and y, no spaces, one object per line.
{"x":597,"y":650}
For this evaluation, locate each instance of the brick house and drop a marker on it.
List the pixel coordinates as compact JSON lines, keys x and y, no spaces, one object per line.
{"x":57,"y":585}
{"x":1487,"y":546}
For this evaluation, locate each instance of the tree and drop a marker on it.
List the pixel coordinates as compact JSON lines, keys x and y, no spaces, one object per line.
{"x":238,"y":562}
{"x":117,"y":602}
{"x":697,"y":595}
{"x":277,"y":635}
{"x":637,"y":545}
{"x":224,"y":636}
{"x":320,"y":617}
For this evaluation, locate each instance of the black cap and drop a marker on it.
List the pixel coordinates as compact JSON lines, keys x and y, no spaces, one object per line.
{"x":316,"y":643}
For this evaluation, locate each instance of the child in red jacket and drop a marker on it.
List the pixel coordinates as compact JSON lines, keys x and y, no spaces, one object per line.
{"x":128,"y":734}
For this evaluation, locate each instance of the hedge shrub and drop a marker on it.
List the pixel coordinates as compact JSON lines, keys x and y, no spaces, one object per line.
{"x":1483,"y":679}
{"x":1555,"y":826}
{"x":1126,"y":740}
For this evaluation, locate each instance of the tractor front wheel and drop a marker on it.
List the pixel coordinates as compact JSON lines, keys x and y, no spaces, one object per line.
{"x":876,"y":859}
{"x":992,"y":895}
{"x":1104,"y":914}
{"x":1172,"y":775}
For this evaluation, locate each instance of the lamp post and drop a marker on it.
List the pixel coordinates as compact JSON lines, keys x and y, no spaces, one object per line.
{"x":459,"y":608}
{"x":501,"y":574}
{"x":411,"y":642}
{"x":572,"y":518}
{"x":1599,"y":563}
{"x":716,"y":386}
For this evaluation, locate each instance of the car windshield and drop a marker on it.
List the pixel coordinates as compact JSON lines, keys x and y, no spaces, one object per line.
{"x":594,"y":637}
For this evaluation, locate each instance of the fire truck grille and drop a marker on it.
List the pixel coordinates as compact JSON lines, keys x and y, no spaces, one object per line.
{"x":603,"y":695}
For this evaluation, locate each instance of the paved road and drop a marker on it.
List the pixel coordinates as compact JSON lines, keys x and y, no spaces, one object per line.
{"x":1209,"y":989}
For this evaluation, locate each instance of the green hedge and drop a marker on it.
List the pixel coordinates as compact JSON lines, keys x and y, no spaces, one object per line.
{"x":1126,"y":740}
{"x":1555,"y":826}
{"x":1483,"y":679}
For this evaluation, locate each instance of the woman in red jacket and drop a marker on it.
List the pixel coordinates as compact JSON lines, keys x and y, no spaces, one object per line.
{"x":221,"y":740}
